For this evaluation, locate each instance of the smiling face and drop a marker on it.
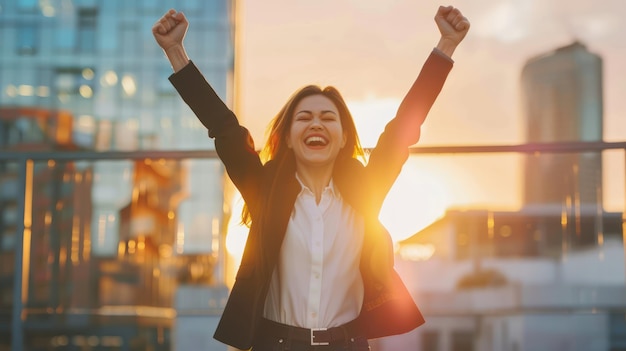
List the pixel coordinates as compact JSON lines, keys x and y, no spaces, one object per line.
{"x":316,"y":135}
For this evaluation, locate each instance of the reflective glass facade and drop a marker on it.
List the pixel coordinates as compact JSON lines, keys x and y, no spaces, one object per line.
{"x":107,"y":242}
{"x":98,"y":59}
{"x":98,"y":62}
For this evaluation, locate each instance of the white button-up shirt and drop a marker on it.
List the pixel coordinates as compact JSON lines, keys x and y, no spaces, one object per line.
{"x":317,"y":282}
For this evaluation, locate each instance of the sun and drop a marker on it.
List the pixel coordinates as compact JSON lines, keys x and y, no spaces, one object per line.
{"x":418,"y":198}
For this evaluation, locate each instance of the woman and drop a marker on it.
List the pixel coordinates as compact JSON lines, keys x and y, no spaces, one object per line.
{"x":317,"y":270}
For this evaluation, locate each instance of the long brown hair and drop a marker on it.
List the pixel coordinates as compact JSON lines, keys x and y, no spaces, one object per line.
{"x":276,"y":146}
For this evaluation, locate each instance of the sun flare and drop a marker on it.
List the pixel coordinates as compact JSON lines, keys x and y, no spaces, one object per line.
{"x":418,"y":197}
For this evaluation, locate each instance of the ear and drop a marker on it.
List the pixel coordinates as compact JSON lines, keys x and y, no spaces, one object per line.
{"x":288,"y":141}
{"x":344,"y":140}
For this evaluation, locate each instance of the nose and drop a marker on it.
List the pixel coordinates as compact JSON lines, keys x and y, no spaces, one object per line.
{"x":316,"y":123}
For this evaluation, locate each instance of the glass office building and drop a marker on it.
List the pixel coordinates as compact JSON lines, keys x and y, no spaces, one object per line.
{"x":111,"y":235}
{"x":98,"y":59}
{"x":562,"y":93}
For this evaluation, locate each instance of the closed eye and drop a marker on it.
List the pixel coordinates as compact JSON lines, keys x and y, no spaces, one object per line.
{"x":329,"y":116}
{"x":304,"y":117}
{"x":326,"y":116}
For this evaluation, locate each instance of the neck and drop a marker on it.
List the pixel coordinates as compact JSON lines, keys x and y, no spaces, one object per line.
{"x":315,"y":178}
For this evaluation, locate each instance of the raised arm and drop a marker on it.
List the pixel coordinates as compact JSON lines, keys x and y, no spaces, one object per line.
{"x":232,"y":141}
{"x":415,"y":106}
{"x":169,"y":32}
{"x":392,"y":149}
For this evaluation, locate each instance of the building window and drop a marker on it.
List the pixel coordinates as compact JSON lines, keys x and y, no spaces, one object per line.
{"x":87,"y":25}
{"x":21,"y":130}
{"x":617,"y":333}
{"x":27,"y":5}
{"x":462,"y":341}
{"x":27,"y":39}
{"x":130,"y":38}
{"x":164,"y":87}
{"x":74,"y":84}
{"x":430,"y":341}
{"x":65,"y":38}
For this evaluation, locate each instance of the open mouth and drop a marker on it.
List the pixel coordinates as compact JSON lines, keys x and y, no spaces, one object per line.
{"x":316,"y":141}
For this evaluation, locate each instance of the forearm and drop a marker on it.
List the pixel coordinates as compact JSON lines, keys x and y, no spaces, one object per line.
{"x":201,"y":98}
{"x":178,"y":57}
{"x":391,"y":151}
{"x":423,"y":93}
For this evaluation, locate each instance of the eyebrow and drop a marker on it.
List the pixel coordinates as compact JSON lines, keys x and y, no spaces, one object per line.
{"x":323,"y":112}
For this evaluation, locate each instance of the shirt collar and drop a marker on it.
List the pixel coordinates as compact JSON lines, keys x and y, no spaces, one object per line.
{"x":330,"y":188}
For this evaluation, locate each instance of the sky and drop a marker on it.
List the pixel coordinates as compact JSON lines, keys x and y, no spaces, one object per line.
{"x":372,"y":50}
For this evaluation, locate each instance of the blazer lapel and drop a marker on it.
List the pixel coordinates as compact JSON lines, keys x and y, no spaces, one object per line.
{"x":282,"y":191}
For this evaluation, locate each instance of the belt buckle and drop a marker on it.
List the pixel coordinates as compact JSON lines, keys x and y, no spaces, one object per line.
{"x":313,"y":342}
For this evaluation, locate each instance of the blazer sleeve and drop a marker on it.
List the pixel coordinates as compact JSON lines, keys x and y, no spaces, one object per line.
{"x":233,"y":142}
{"x":392,"y":149}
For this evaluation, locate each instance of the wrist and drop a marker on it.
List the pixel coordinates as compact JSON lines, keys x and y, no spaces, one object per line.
{"x":446,"y":46}
{"x":177,"y":56}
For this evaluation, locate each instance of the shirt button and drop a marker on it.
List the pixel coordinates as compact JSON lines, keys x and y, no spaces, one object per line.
{"x":313,"y":314}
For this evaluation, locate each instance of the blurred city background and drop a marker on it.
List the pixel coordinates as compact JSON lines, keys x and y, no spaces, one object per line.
{"x":120,"y":231}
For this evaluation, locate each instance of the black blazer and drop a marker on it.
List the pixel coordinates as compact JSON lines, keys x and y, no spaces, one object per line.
{"x":270,"y":191}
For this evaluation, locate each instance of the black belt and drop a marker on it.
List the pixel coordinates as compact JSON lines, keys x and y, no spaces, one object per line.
{"x":317,"y":336}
